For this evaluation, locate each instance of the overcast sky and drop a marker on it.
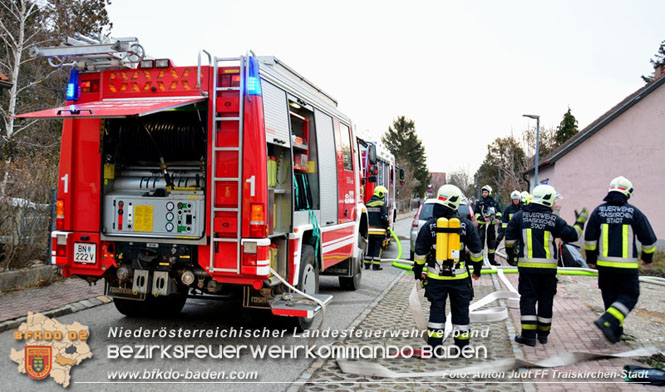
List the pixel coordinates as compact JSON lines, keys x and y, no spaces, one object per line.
{"x":464,"y":71}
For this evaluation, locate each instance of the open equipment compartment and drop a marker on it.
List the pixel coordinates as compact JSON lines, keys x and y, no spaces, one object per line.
{"x":154,"y":176}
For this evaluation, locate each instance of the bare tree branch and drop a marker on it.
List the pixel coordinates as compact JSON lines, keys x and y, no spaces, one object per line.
{"x":23,"y":127}
{"x":35,"y":82}
{"x":11,"y":11}
{"x":8,"y":33}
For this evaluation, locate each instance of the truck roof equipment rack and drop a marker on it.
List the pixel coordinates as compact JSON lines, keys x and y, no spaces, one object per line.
{"x":89,"y":54}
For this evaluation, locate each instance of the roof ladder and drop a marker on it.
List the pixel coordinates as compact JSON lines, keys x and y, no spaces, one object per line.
{"x":217,"y":126}
{"x":93,"y":54}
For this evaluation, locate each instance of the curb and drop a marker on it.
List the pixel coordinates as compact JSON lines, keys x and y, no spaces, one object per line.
{"x":306,"y":375}
{"x":26,"y":277}
{"x":61,"y":311}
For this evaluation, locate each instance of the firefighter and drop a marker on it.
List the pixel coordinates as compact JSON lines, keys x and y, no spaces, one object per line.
{"x":487,"y":210}
{"x":448,"y":274}
{"x":534,"y":229}
{"x":609,"y":242}
{"x":378,"y":224}
{"x":525,"y":198}
{"x":508,"y":213}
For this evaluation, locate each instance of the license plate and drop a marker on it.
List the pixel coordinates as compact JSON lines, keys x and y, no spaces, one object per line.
{"x":85,"y":253}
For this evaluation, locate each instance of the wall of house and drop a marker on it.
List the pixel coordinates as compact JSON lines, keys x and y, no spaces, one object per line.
{"x":633,"y":146}
{"x":544,"y":174}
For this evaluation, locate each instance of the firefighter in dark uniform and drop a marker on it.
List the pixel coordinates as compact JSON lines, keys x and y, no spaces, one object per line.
{"x":609,"y":242}
{"x":535,"y":229}
{"x":487,"y":210}
{"x":508,"y":213}
{"x":525,"y":198}
{"x":378,"y":224}
{"x":448,"y":277}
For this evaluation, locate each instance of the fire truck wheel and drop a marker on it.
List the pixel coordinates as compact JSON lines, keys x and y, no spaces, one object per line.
{"x":353,"y":283}
{"x":308,"y":282}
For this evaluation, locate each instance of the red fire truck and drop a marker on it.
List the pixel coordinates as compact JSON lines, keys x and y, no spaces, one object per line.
{"x":378,"y":168}
{"x":177,"y":182}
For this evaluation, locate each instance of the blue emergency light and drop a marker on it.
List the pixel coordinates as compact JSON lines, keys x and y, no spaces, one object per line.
{"x":73,"y":86}
{"x":253,"y":80}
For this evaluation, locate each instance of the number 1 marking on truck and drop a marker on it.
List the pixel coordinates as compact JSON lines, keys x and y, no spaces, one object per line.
{"x":252,"y":185}
{"x":65,"y":179}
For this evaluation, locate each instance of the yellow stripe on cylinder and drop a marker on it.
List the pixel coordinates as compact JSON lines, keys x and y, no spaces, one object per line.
{"x":453,"y":240}
{"x":441,"y":240}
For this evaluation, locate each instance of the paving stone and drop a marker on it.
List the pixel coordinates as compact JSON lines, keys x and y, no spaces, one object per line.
{"x":40,"y":299}
{"x":393,"y":313}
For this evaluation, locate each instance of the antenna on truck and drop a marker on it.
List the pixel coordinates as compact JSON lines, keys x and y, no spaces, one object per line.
{"x":93,"y":54}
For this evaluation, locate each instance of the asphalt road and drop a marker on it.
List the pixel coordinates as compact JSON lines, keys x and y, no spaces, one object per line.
{"x":273,"y":374}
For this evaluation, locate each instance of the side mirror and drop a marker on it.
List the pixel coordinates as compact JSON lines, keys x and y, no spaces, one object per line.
{"x":371,"y":154}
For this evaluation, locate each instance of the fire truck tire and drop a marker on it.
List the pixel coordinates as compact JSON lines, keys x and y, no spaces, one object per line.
{"x":308,"y":282}
{"x":353,"y":283}
{"x":152,"y":306}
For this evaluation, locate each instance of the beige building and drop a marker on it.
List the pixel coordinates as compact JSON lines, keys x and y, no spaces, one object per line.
{"x":628,"y":140}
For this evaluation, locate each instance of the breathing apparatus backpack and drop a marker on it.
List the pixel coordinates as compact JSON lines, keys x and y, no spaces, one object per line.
{"x":447,"y":254}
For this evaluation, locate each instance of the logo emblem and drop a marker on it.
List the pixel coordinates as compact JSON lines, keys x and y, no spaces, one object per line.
{"x":38,"y":361}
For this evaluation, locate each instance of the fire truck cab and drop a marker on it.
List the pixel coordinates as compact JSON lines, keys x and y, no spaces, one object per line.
{"x":177,"y":182}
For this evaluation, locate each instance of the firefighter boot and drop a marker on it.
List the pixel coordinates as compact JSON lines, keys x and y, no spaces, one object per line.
{"x":490,"y":257}
{"x":462,"y":341}
{"x":434,"y":338}
{"x":543,"y":332}
{"x":368,"y":263}
{"x":609,"y":326}
{"x":376,"y":265}
{"x":527,"y":337}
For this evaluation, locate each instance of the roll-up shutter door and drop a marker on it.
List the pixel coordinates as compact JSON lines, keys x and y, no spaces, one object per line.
{"x":276,"y":114}
{"x":327,"y":168}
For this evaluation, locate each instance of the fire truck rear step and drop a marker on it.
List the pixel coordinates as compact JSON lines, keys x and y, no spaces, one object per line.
{"x":297,"y":305}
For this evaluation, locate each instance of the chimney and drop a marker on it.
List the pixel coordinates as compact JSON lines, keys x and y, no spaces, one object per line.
{"x":659,"y":71}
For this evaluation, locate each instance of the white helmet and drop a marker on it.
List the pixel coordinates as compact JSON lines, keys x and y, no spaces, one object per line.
{"x":622,"y":185}
{"x":449,"y":196}
{"x":525,"y":197}
{"x":515,"y":195}
{"x":545,"y":195}
{"x":487,"y":188}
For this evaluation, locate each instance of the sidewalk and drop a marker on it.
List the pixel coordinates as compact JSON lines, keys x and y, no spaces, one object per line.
{"x":393,"y":313}
{"x":405,"y":215}
{"x":58,"y":294}
{"x":572,"y":331}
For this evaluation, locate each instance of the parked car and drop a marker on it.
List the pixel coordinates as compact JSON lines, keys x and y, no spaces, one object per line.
{"x":425,"y":212}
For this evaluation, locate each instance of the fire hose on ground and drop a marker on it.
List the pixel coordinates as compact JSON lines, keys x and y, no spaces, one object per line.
{"x":373,"y":369}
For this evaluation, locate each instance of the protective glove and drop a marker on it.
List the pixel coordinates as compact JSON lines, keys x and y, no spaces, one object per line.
{"x":418,"y":271}
{"x":510,"y":252}
{"x":582,"y":216}
{"x":647,"y":257}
